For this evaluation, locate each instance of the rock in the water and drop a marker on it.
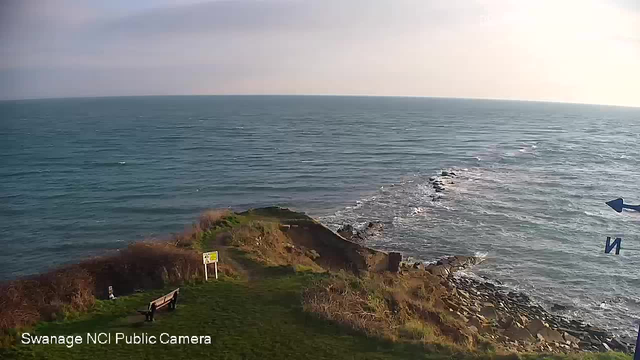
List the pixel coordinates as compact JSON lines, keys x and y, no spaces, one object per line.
{"x":559,"y":307}
{"x":373,"y":229}
{"x":346,"y":231}
{"x":618,"y":345}
{"x":350,"y":233}
{"x":444,"y":173}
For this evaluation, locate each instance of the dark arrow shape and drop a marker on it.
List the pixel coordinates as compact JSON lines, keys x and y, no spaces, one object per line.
{"x":618,"y":205}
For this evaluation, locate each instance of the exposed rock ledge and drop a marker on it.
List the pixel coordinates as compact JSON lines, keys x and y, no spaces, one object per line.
{"x":373,"y":229}
{"x":511,"y":318}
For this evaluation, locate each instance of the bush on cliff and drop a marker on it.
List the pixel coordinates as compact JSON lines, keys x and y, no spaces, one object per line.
{"x":54,"y":294}
{"x":390,"y":307}
{"x":208,"y":224}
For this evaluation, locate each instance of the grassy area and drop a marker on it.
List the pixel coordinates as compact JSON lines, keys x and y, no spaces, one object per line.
{"x":274,"y":302}
{"x":259,"y":320}
{"x":246,"y":320}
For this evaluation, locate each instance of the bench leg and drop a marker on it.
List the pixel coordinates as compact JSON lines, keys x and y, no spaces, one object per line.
{"x":173,"y":303}
{"x":151,"y":313}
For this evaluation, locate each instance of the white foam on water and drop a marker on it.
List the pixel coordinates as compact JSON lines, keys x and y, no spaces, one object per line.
{"x":481,"y":255}
{"x":485,"y":204}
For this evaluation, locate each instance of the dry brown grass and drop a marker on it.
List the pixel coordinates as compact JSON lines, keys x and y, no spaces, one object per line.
{"x":189,"y":237}
{"x":192,"y":235}
{"x":211,"y":218}
{"x":144,"y":265}
{"x":397,"y":308}
{"x":268,"y":245}
{"x":44,"y":297}
{"x":50,"y":296}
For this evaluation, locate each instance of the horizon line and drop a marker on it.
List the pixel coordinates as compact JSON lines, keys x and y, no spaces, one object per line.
{"x":319,"y":95}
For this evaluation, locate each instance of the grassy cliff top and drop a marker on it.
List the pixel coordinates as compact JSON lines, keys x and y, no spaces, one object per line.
{"x":281,"y":294}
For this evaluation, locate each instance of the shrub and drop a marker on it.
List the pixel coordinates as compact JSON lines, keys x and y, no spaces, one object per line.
{"x":198,"y":234}
{"x":189,"y":238}
{"x":211,"y":218}
{"x":45,"y":297}
{"x":49,"y":296}
{"x":388,"y":306}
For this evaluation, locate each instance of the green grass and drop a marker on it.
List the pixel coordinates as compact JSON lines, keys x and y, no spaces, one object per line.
{"x":260,"y":317}
{"x":259,"y":321}
{"x":247,"y":320}
{"x":227,"y":223}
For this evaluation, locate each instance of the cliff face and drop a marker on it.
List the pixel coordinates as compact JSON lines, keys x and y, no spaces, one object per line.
{"x":335,"y":252}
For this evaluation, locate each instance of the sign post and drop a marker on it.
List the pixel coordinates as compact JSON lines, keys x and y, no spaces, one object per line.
{"x":208,"y":258}
{"x":637,"y":354}
{"x":618,"y":205}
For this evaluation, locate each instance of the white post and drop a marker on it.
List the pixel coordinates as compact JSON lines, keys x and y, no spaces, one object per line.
{"x":206,"y":276}
{"x":216,"y":265}
{"x":636,"y":356}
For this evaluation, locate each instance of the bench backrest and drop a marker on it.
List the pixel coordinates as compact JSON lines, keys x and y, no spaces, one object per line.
{"x":163,"y":300}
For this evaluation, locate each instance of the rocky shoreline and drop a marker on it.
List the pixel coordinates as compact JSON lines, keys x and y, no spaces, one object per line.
{"x":512,"y":318}
{"x":506,"y":317}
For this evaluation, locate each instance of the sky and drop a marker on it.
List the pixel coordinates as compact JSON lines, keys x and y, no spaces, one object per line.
{"x":582,"y":51}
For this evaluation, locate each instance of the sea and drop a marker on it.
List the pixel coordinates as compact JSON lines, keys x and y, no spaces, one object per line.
{"x":81,"y":177}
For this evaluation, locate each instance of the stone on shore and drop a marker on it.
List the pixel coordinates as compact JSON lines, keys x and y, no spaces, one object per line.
{"x":535,"y":325}
{"x":518,"y":333}
{"x":550,"y":335}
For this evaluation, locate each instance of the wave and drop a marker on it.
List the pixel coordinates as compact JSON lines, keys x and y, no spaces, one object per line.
{"x":504,"y":210}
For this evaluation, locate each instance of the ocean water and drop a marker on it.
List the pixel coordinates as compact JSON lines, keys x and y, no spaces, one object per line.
{"x":81,"y":176}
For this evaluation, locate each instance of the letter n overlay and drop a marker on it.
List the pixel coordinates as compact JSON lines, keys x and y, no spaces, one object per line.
{"x":609,"y":246}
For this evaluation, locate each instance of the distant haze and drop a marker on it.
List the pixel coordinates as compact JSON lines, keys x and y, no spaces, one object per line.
{"x":584,"y":51}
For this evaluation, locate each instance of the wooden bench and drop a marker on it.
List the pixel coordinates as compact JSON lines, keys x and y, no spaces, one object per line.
{"x":170,"y":299}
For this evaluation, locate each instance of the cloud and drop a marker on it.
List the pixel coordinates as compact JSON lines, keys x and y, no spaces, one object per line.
{"x":292,"y":15}
{"x":209,"y":32}
{"x":568,"y":50}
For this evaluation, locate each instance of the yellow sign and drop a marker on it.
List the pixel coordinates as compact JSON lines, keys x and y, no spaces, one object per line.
{"x":210,"y":257}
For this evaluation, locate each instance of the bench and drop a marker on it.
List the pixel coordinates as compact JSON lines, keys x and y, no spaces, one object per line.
{"x":170,"y":299}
